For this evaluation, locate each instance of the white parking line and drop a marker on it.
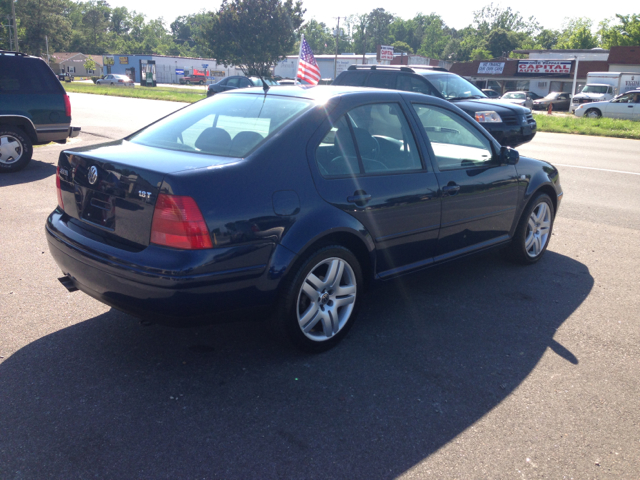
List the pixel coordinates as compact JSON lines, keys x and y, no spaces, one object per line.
{"x":593,"y":168}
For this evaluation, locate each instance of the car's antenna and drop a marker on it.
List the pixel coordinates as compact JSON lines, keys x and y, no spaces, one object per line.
{"x":265,"y":87}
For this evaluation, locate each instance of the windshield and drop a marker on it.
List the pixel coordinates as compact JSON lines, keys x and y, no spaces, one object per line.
{"x":454,"y":87}
{"x":227,"y":125}
{"x":595,"y":89}
{"x":552,"y":96}
{"x":517,"y":96}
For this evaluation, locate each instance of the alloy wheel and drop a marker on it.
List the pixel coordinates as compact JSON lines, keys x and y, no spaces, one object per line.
{"x":538,"y":229}
{"x":326,"y":299}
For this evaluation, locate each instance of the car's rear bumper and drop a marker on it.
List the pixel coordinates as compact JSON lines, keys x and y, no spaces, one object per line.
{"x":137,"y":284}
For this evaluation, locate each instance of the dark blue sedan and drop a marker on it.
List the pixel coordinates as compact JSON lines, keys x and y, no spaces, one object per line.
{"x":290,"y":201}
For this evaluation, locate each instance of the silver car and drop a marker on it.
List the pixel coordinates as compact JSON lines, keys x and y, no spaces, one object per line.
{"x":519,"y":98}
{"x":116,"y":80}
{"x":625,"y":107}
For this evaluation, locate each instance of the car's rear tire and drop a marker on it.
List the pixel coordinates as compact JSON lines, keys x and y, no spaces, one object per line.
{"x":533,"y":233}
{"x":16,"y":149}
{"x":593,"y":113}
{"x":321,"y":300}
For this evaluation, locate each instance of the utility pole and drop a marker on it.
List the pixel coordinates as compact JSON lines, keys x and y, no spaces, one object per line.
{"x":335,"y":60}
{"x":15,"y":25}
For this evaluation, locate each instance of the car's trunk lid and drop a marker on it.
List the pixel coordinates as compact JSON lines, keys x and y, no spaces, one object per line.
{"x":111,"y":189}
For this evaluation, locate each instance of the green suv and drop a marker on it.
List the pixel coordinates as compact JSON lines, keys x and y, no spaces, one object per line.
{"x":34,"y":109}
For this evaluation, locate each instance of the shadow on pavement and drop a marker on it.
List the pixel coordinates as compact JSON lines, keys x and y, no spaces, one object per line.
{"x":34,"y":171}
{"x":430,"y":355}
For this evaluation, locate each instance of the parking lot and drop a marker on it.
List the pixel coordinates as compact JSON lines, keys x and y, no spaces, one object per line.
{"x":475,"y":369}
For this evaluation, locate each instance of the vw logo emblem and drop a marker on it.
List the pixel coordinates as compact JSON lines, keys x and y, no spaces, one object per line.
{"x":92,"y":176}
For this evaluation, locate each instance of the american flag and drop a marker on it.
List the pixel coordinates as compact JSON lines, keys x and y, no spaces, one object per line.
{"x":307,"y":66}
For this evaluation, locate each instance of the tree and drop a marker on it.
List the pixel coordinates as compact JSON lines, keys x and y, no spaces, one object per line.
{"x":435,"y":37}
{"x":402,"y":47}
{"x":576,"y":34}
{"x":626,"y":32}
{"x":319,"y":37}
{"x":89,"y":64}
{"x":378,"y":23}
{"x":40,"y":18}
{"x":547,"y":39}
{"x":491,"y":17}
{"x":96,"y":23}
{"x":253,"y":34}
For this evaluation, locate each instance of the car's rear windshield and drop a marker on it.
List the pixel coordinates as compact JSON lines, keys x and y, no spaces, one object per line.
{"x":27,"y":75}
{"x":226,"y":125}
{"x":516,"y":96}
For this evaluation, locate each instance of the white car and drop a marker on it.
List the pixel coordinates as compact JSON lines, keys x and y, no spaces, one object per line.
{"x":116,"y":80}
{"x":518,"y":98}
{"x":625,"y":106}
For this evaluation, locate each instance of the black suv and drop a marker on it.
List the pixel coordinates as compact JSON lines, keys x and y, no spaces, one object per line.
{"x":511,"y":125}
{"x":34,"y":109}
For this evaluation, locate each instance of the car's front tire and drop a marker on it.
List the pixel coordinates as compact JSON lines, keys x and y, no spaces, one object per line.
{"x":16,"y":149}
{"x":321,"y":300}
{"x":593,"y":113}
{"x":533,"y":233}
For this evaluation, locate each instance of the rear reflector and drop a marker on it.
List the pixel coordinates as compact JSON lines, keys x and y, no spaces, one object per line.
{"x":178,"y":223}
{"x":67,"y":106}
{"x":59,"y":188}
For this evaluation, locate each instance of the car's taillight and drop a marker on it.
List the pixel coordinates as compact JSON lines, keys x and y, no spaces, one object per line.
{"x":178,"y":223}
{"x":67,"y":106}
{"x":59,"y":188}
{"x":120,"y":81}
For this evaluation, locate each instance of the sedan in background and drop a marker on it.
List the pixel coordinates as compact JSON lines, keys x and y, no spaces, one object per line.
{"x":115,"y":80}
{"x":518,"y":98}
{"x":290,"y":202}
{"x":238,"y":81}
{"x":625,"y":107}
{"x":559,"y":100}
{"x":491,"y":93}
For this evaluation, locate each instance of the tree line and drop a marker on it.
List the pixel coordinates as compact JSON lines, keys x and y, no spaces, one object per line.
{"x":255,"y":34}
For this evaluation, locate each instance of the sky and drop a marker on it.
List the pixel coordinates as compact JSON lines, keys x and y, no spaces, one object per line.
{"x":457,"y":14}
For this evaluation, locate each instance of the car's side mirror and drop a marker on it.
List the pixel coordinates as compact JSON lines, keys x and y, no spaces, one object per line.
{"x":509,"y":156}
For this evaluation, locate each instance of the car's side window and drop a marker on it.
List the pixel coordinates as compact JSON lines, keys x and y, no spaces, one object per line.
{"x":456,"y":144}
{"x":245,"y":82}
{"x":336,"y":155}
{"x":627,"y":98}
{"x":409,"y":83}
{"x":384,"y":139}
{"x":233,"y":82}
{"x":381,"y":80}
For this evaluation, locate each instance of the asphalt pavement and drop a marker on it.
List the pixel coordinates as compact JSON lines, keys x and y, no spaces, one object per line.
{"x":479,"y":369}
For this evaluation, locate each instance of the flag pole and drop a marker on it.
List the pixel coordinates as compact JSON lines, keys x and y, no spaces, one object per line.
{"x":297,"y":82}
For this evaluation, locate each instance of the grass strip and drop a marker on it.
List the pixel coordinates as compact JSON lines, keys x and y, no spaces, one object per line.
{"x":151,"y":93}
{"x":600,"y":127}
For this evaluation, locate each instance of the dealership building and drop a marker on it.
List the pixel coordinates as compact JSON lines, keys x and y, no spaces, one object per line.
{"x":547,"y":71}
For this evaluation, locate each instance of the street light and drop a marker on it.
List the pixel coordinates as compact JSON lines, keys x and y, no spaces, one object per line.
{"x":575,"y":78}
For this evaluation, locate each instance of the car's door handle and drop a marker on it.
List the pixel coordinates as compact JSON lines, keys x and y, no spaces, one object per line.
{"x":450,"y":190}
{"x":360,"y":199}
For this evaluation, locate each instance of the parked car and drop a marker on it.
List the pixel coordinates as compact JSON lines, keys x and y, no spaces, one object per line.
{"x":290,"y":200}
{"x":34,"y":109}
{"x":625,"y":106}
{"x":511,"y":125}
{"x":116,"y":80}
{"x":560,"y":101}
{"x":518,"y":98}
{"x":194,"y":78}
{"x":238,"y":81}
{"x":490,"y":93}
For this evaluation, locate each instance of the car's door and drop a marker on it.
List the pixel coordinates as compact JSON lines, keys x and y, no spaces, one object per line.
{"x":621,"y":107}
{"x":369,"y":166}
{"x":479,"y":192}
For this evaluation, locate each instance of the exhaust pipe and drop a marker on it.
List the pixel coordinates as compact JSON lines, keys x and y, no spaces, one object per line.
{"x":68,"y":283}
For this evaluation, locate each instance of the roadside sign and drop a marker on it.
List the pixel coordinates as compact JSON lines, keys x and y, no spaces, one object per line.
{"x":386,"y":52}
{"x":179,"y":71}
{"x":205,"y":65}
